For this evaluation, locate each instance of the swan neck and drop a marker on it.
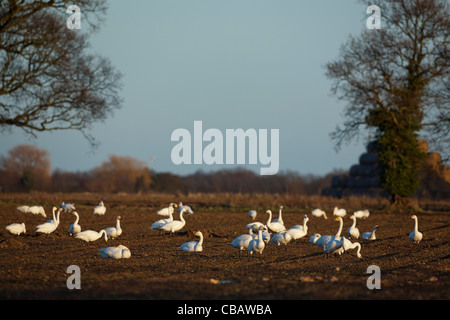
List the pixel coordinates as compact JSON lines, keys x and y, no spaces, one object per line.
{"x":260,"y":235}
{"x":270,"y":217}
{"x":338,"y":234}
{"x":416,"y":224}
{"x":200,"y":242}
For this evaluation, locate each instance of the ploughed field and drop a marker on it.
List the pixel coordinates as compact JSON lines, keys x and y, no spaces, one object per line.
{"x":34,"y":266}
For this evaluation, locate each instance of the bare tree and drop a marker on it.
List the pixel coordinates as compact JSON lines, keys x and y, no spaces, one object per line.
{"x":396,"y":82}
{"x":48,"y":78}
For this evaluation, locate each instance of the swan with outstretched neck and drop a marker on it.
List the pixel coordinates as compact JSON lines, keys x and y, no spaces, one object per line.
{"x":51,"y":225}
{"x":75,"y":227}
{"x":193,"y":246}
{"x":334,"y":246}
{"x":274,"y":226}
{"x":416,"y":235}
{"x":353,"y":231}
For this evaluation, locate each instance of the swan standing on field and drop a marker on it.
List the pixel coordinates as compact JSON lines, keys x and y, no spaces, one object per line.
{"x":370,"y":235}
{"x":193,"y":246}
{"x":23,"y":209}
{"x":119,"y":252}
{"x":361,"y":214}
{"x":416,"y":235}
{"x":167,"y":211}
{"x":50,"y":225}
{"x":280,"y":238}
{"x":252,"y":214}
{"x":348,"y":245}
{"x":339,"y":212}
{"x":91,"y":235}
{"x":175,"y":225}
{"x":37,"y":210}
{"x":100,"y":209}
{"x":319,"y":213}
{"x":75,"y":227}
{"x":299,"y":231}
{"x":114,"y":232}
{"x":274,"y":226}
{"x":280,"y":218}
{"x":16,"y":228}
{"x":257,"y":244}
{"x":159,"y":223}
{"x":353,"y":231}
{"x":67,"y":207}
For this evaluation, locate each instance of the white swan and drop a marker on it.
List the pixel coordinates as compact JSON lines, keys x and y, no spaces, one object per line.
{"x":319,"y":213}
{"x":50,"y":225}
{"x":274,"y":226}
{"x":348,"y":245}
{"x":299,"y":231}
{"x":100,"y":209}
{"x":362,"y":214}
{"x":313,"y":239}
{"x":67,"y":207}
{"x":16,"y":228}
{"x":257,"y":244}
{"x":167,"y":211}
{"x":175,"y":225}
{"x":75,"y":227}
{"x":265,"y":234}
{"x":334,"y":246}
{"x":241,"y":242}
{"x":353,"y":231}
{"x":91,"y":235}
{"x":188,"y":209}
{"x":370,"y":235}
{"x":159,"y":223}
{"x":119,"y":252}
{"x":280,"y":238}
{"x":280,"y":218}
{"x":23,"y":209}
{"x":252,"y":214}
{"x":416,"y":235}
{"x":193,"y":246}
{"x":114,"y":232}
{"x":339,"y":212}
{"x":37,"y":210}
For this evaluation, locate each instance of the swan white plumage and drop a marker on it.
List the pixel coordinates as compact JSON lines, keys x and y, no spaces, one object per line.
{"x":348,"y":245}
{"x":298,"y":231}
{"x":361,"y":214}
{"x":353,"y":231}
{"x":100,"y":209}
{"x":280,"y":238}
{"x":67,"y":207}
{"x":159,"y":223}
{"x":188,"y":209}
{"x":252,"y":214}
{"x":334,"y":246}
{"x":313,"y":239}
{"x":37,"y":210}
{"x":167,"y":211}
{"x":280,"y":217}
{"x":114,"y":232}
{"x":416,"y":235}
{"x":75,"y":227}
{"x":193,"y":246}
{"x":119,"y":252}
{"x":23,"y":209}
{"x":241,"y":242}
{"x":257,"y":244}
{"x":339,"y":212}
{"x":50,"y":225}
{"x":91,"y":235}
{"x":175,"y":225}
{"x":254,"y":226}
{"x":16,"y":228}
{"x":274,"y":226}
{"x":370,"y":235}
{"x":319,"y":213}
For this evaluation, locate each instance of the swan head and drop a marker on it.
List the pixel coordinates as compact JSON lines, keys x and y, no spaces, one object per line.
{"x":413,"y":216}
{"x":119,"y":217}
{"x":269,"y":211}
{"x":281,"y":207}
{"x":198,"y":234}
{"x":338,"y":219}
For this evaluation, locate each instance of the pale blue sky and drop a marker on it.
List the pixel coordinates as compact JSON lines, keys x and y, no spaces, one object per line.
{"x":229,"y":63}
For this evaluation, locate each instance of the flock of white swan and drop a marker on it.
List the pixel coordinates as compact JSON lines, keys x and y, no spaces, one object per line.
{"x":254,"y":242}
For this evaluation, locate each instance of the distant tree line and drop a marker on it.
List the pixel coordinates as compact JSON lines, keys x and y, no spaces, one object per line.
{"x":28,"y":168}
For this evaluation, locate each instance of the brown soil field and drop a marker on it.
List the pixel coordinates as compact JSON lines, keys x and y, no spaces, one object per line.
{"x":33,"y":266}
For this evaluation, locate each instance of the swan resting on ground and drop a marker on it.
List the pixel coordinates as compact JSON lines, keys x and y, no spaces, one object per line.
{"x":175,"y":225}
{"x":193,"y":246}
{"x":339,"y":212}
{"x":100,"y":209}
{"x":361,"y":214}
{"x":91,"y":235}
{"x":319,"y":213}
{"x":23,"y":209}
{"x":241,"y":242}
{"x":119,"y":252}
{"x":416,"y":235}
{"x":274,"y":226}
{"x":370,"y":235}
{"x":167,"y":211}
{"x":37,"y":210}
{"x":280,"y":238}
{"x":299,"y":231}
{"x":16,"y":228}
